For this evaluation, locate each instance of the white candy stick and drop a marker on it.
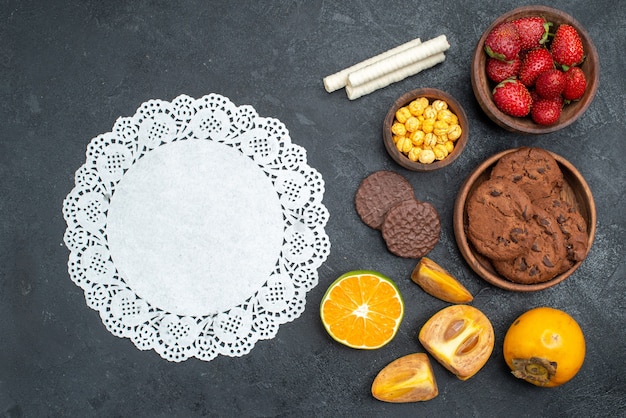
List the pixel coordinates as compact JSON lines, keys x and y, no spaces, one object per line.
{"x":398,"y":60}
{"x":395,"y":76}
{"x":340,"y":79}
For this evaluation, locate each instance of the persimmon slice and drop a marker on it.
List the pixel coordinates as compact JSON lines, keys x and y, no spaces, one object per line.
{"x":407,"y":379}
{"x":437,"y":282}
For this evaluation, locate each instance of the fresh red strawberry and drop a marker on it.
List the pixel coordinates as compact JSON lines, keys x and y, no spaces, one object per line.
{"x":534,"y":95}
{"x":502,"y":42}
{"x":512,"y":98}
{"x":546,"y":111}
{"x":535,"y":62}
{"x":498,"y":71}
{"x":550,"y":83}
{"x":567,"y":47}
{"x":575,"y":84}
{"x":533,"y":31}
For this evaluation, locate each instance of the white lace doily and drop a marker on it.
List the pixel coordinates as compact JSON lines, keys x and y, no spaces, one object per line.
{"x":196,"y":227}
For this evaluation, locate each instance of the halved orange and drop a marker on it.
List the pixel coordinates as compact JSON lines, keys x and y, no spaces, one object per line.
{"x":362,"y":309}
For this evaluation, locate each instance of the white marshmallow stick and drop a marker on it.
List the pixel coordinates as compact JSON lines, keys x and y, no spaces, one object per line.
{"x":340,"y":79}
{"x":393,"y":77}
{"x":398,"y":60}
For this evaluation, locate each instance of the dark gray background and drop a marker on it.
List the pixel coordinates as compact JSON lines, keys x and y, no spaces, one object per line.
{"x":68,"y":69}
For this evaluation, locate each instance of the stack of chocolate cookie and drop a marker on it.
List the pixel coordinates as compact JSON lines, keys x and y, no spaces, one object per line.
{"x":386,"y":201}
{"x":519,"y":219}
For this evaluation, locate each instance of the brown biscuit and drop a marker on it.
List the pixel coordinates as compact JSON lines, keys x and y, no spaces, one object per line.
{"x":411,"y":229}
{"x":378,"y":193}
{"x":533,"y":169}
{"x":572,"y":225}
{"x":546,"y":257}
{"x":498,"y":212}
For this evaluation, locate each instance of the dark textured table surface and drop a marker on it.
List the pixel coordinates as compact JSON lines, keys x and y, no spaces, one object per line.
{"x":69,"y":69}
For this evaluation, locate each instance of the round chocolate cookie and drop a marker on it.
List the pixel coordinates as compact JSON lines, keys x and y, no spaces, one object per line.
{"x":411,"y":229}
{"x":572,"y":225}
{"x":546,"y":257}
{"x":378,"y":193}
{"x":497,"y":215}
{"x":533,"y":169}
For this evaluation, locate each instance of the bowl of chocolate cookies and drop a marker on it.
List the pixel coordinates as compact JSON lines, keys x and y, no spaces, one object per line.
{"x":524,"y":219}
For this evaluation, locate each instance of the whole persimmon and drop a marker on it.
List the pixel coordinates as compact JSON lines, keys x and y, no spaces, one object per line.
{"x":545,"y":347}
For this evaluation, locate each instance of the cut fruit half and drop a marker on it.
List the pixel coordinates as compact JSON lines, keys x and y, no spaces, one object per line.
{"x":362,"y":309}
{"x":460,"y":338}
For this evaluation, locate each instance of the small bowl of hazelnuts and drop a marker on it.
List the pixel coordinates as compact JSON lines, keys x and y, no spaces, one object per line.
{"x":425,"y":129}
{"x":535,"y":70}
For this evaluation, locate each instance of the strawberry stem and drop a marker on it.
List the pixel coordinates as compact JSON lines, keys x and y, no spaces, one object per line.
{"x":495,"y":55}
{"x":546,"y":33}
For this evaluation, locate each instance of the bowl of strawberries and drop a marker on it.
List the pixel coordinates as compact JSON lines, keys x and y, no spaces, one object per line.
{"x":535,"y":70}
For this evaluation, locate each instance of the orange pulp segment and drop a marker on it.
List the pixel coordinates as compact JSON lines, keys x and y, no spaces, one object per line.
{"x":362,"y":309}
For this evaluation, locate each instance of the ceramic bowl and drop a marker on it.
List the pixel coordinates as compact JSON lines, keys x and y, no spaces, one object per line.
{"x":575,"y":191}
{"x":431,"y":94}
{"x":483,"y":87}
